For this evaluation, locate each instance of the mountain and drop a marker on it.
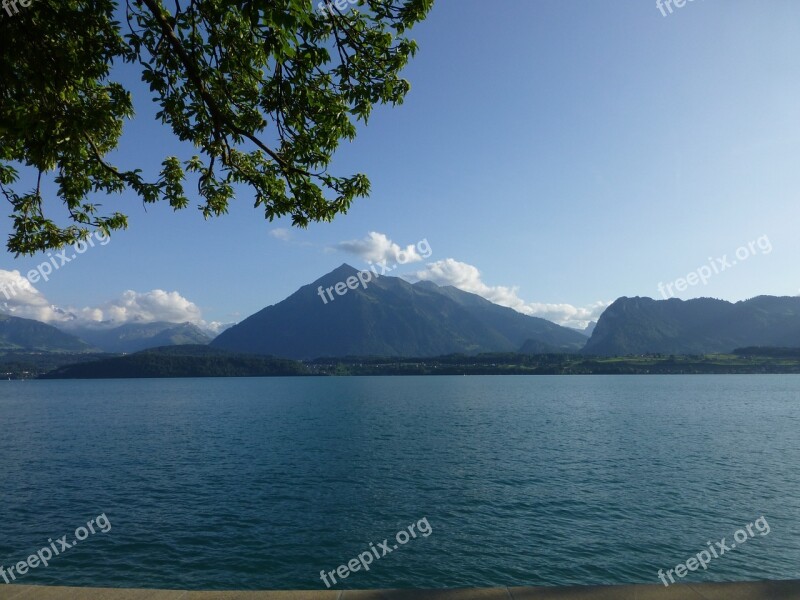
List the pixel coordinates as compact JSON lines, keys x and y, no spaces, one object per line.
{"x":179,"y":361}
{"x":538,"y":347}
{"x":387,"y":316}
{"x":26,"y":334}
{"x":588,"y":330}
{"x":133,"y":337}
{"x":699,"y":326}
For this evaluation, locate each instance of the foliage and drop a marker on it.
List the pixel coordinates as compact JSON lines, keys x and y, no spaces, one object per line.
{"x":264,"y":92}
{"x":555,"y":364}
{"x":180,"y":361}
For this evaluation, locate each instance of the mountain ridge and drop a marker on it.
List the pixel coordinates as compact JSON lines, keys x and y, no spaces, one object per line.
{"x":386,"y":316}
{"x":17,"y":333}
{"x":642,"y":325}
{"x":135,"y":336}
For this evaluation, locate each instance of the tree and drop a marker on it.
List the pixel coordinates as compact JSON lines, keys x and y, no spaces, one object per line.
{"x":264,"y":91}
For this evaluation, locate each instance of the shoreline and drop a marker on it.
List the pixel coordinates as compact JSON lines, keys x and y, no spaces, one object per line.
{"x":201,"y":361}
{"x":745,"y":590}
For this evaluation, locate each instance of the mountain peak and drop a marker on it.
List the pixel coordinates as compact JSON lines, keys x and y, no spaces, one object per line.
{"x":695,"y":326}
{"x":386,"y":316}
{"x":345,"y":268}
{"x":340,"y":273}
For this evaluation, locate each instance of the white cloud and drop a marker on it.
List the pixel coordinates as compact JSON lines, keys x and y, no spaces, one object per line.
{"x":468,"y":278}
{"x":377,"y":247}
{"x":19,"y":298}
{"x":146,"y":307}
{"x":567,"y":314}
{"x":214,"y":328}
{"x":281,"y":233}
{"x":24,"y":300}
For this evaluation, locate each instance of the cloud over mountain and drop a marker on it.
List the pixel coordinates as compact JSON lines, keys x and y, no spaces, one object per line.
{"x":468,"y":278}
{"x":377,"y":247}
{"x":146,"y":307}
{"x":19,"y":298}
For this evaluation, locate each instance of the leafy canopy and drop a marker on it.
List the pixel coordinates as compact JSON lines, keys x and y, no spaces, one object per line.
{"x":264,"y":90}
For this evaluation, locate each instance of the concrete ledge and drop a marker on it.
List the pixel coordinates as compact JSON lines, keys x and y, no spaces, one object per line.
{"x":747,"y":590}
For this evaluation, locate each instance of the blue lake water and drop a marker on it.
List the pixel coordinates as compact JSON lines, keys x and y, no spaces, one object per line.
{"x":262,"y":483}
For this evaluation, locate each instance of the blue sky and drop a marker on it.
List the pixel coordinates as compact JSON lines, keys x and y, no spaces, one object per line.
{"x":554,"y":154}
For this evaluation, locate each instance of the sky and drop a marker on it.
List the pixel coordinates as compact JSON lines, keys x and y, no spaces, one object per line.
{"x":552,"y":156}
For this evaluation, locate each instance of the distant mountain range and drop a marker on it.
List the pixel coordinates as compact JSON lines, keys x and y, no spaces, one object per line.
{"x":29,"y":335}
{"x":339,"y":316}
{"x":133,"y":337}
{"x":389,"y":317}
{"x":700,"y":326}
{"x":587,"y":331}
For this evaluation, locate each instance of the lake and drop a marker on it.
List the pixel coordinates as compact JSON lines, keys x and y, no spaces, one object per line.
{"x":263,"y":483}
